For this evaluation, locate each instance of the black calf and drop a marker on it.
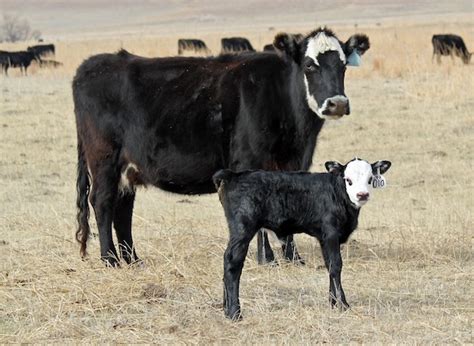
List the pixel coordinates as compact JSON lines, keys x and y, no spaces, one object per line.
{"x":323,"y":205}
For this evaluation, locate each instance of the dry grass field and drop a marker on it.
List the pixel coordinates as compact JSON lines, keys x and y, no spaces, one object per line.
{"x":408,"y":269}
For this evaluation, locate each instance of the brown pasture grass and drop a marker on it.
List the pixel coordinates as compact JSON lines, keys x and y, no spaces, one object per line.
{"x":408,"y":269}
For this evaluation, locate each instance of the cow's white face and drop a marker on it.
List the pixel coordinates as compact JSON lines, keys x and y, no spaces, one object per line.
{"x":322,"y":59}
{"x":324,"y":65}
{"x":320,"y":44}
{"x":358,"y":175}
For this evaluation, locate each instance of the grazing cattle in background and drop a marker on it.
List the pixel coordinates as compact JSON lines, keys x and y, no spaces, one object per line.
{"x":197,"y":46}
{"x":42,"y":50}
{"x":50,"y":63}
{"x":20,"y":59}
{"x":322,"y":205}
{"x":270,"y":48}
{"x":4,"y":62}
{"x":236,"y":45}
{"x":450,"y":45}
{"x":173,"y":122}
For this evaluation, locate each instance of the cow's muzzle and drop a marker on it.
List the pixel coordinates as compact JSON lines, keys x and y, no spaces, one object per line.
{"x":335,"y":106}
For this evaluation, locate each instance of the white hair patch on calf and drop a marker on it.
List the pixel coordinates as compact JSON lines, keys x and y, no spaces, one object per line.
{"x":322,"y":43}
{"x":125,"y":185}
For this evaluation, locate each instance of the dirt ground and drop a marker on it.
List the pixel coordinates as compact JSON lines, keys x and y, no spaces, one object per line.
{"x":408,"y":269}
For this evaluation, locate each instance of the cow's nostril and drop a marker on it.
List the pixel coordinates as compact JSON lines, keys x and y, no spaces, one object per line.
{"x":331,"y":104}
{"x":362,"y":196}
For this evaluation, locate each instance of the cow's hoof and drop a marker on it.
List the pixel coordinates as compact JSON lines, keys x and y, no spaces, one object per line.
{"x":297,"y":260}
{"x":111,"y":262}
{"x":267,"y":260}
{"x":137,"y":263}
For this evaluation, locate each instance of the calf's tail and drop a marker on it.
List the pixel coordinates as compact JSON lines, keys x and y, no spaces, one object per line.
{"x":82,"y":202}
{"x":221,"y":176}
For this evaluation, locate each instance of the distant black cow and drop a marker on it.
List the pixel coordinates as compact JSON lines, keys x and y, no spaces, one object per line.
{"x":270,"y":48}
{"x":20,"y":59}
{"x":194,"y":45}
{"x":173,"y":122}
{"x":4,"y":62}
{"x":450,"y":45}
{"x":42,"y":50}
{"x":236,"y":45}
{"x":323,"y":205}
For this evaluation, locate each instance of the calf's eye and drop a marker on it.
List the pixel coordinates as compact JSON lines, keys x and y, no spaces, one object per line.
{"x":370,"y":180}
{"x":349,"y":181}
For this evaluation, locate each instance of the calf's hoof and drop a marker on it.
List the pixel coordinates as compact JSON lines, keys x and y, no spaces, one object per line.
{"x":341,"y":305}
{"x":233,"y":314}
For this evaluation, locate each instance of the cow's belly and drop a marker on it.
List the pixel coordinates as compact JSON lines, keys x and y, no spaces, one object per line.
{"x":175,"y":167}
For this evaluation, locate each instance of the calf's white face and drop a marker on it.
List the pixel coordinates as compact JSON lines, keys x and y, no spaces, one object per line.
{"x":358,"y":175}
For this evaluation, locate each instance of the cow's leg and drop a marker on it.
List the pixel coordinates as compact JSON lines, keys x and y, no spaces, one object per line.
{"x":264,"y":251}
{"x":289,"y":249}
{"x":332,"y":258}
{"x":239,"y":240}
{"x":123,"y":226}
{"x":103,"y":198}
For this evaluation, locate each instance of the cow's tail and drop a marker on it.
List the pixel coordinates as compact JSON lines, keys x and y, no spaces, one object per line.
{"x":82,"y":202}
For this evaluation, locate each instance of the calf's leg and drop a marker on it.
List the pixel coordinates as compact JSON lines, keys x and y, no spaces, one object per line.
{"x":234,"y":257}
{"x":265,"y":254}
{"x":331,"y":249}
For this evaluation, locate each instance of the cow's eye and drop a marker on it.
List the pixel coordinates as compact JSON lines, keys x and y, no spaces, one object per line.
{"x":349,"y":181}
{"x":370,"y":180}
{"x":310,"y":66}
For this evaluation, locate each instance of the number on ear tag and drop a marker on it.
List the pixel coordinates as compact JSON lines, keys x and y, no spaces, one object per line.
{"x":354,"y":58}
{"x":378,"y":182}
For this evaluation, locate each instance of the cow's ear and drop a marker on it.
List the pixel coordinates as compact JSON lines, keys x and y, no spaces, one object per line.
{"x":287,"y":45}
{"x":380,"y":167}
{"x":334,"y":167}
{"x":358,"y":42}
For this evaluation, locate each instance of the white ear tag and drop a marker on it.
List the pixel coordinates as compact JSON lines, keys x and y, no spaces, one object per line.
{"x":354,"y":58}
{"x":378,"y":181}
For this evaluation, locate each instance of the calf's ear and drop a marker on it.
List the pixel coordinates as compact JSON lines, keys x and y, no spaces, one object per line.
{"x":334,"y":167}
{"x":287,"y":45}
{"x":380,"y":166}
{"x":358,"y":42}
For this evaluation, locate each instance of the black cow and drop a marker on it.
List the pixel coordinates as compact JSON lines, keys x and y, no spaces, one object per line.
{"x":268,"y":48}
{"x":173,"y":122}
{"x":4,"y":62}
{"x":194,"y":45}
{"x":236,"y":45}
{"x":323,"y":205}
{"x":20,"y":59}
{"x":42,"y":50}
{"x":452,"y":45}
